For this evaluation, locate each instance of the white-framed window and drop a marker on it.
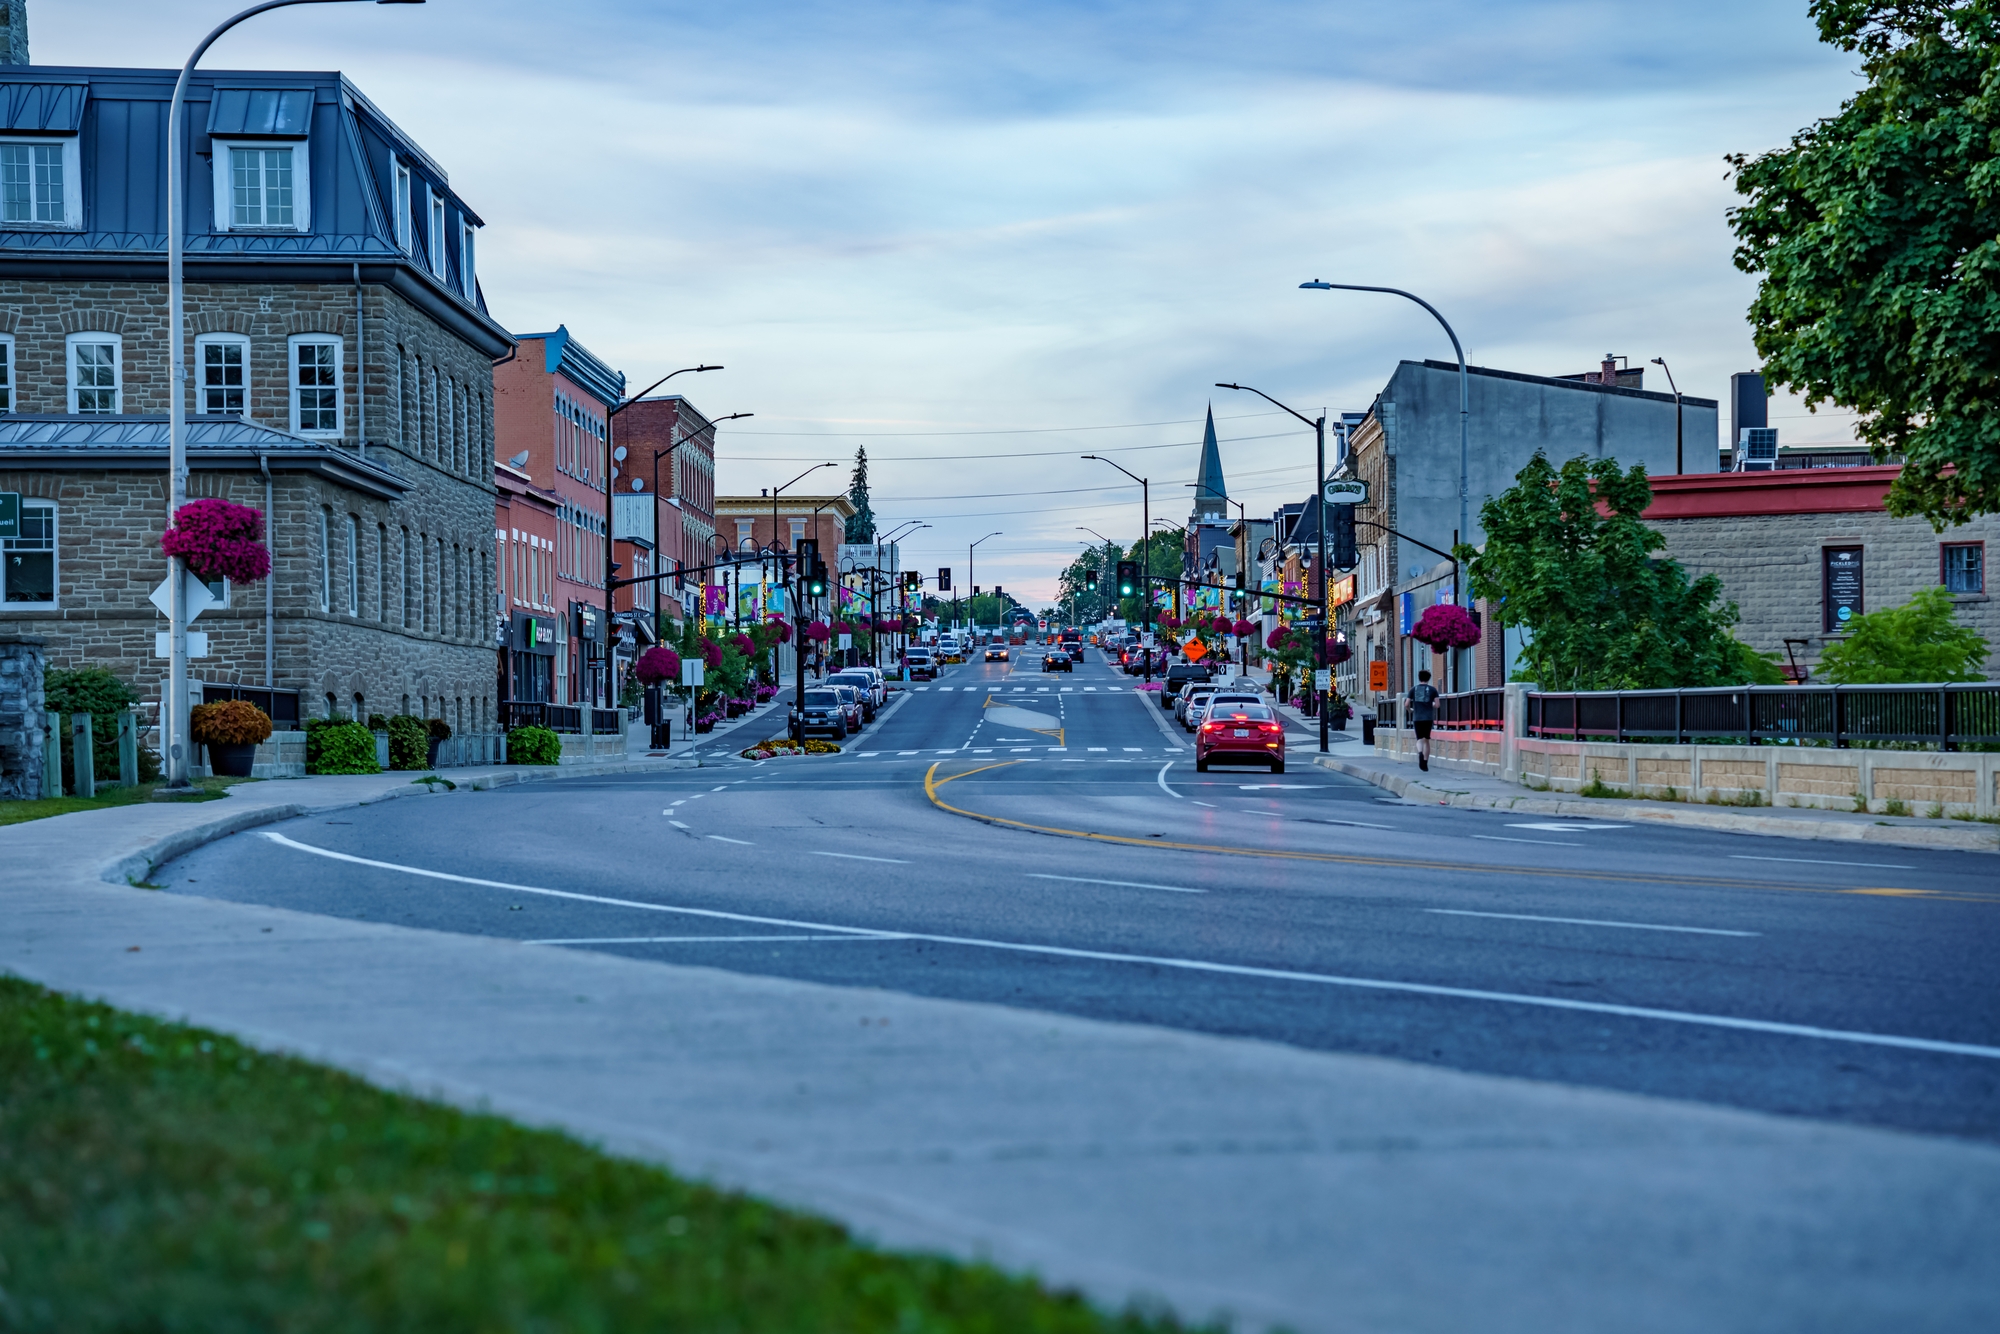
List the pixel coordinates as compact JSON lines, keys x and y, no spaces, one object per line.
{"x":222,"y":375}
{"x":467,"y":282}
{"x":262,"y":187}
{"x":326,"y":562}
{"x":6,"y":372}
{"x":28,"y":562}
{"x":96,"y":373}
{"x":219,"y":590}
{"x":438,"y":250}
{"x":353,"y":566}
{"x":40,"y":184}
{"x":315,"y":361}
{"x":404,"y":231}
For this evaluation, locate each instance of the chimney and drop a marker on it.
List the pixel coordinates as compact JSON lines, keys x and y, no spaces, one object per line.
{"x":1607,"y":371}
{"x":13,"y":32}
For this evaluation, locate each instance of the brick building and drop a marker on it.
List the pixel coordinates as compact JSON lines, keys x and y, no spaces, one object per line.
{"x":551,"y":401}
{"x":526,"y":529}
{"x":1800,"y":552}
{"x":670,"y":448}
{"x":340,"y":359}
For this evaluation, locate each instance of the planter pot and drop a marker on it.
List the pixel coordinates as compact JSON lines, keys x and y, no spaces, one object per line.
{"x":232,"y":761}
{"x":702,"y":725}
{"x":432,"y":757}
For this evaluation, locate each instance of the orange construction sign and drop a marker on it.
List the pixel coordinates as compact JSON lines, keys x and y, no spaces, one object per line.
{"x":1194,"y":650}
{"x":1378,"y":676}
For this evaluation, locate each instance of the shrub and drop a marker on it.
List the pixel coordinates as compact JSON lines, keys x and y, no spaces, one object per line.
{"x":229,"y":722}
{"x":1920,"y":641}
{"x":339,"y":746}
{"x":533,"y":745}
{"x":440,"y":730}
{"x":377,"y":723}
{"x":218,"y":540}
{"x":95,"y":691}
{"x":409,"y":742}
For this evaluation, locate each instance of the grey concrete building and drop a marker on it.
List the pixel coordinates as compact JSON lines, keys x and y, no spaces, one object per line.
{"x":340,"y":357}
{"x":1407,"y":449}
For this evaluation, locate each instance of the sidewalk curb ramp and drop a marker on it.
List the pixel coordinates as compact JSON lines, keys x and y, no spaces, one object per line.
{"x":1690,"y":815}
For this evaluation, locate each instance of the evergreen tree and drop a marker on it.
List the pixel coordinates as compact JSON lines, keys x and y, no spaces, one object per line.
{"x":860,"y":528}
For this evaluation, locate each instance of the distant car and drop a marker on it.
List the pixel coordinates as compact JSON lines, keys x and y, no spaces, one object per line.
{"x":823,"y":715}
{"x":1179,"y":677}
{"x":1055,"y":660}
{"x":864,"y":689}
{"x":1223,"y":700}
{"x":850,"y":700}
{"x":996,"y":653}
{"x":1244,"y":733}
{"x":918,"y":664}
{"x":1192,"y":696}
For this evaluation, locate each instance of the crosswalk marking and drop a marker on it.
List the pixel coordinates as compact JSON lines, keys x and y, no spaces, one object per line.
{"x":1135,"y":750}
{"x":1097,"y":748}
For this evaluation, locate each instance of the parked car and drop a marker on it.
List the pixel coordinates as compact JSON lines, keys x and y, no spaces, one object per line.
{"x":864,"y":689}
{"x":850,"y":700}
{"x":1192,"y":697}
{"x":1055,"y":660}
{"x":1141,"y":660}
{"x":823,"y":715}
{"x":881,"y":683}
{"x":1223,"y":700}
{"x":918,"y":665}
{"x":1242,"y":733}
{"x":1179,"y":676}
{"x":996,"y":653}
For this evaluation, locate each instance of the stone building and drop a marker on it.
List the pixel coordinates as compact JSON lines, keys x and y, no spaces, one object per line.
{"x":340,"y":359}
{"x":1801,"y":552}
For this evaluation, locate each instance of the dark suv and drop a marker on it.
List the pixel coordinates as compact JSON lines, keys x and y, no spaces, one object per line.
{"x":823,"y":714}
{"x":1180,"y":675}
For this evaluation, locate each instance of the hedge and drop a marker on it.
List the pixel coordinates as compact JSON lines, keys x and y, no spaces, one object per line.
{"x":533,"y":745}
{"x":338,"y":746}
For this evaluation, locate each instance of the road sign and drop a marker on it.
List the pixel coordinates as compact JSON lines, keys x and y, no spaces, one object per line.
{"x":10,"y":513}
{"x":1346,"y":491}
{"x":693,"y":672}
{"x":197,"y":644}
{"x":199,"y":599}
{"x":1194,"y":650}
{"x":1323,"y":679}
{"x":1378,"y":676}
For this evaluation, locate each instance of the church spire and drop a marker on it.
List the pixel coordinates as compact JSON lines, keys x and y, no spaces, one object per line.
{"x":1209,"y":491}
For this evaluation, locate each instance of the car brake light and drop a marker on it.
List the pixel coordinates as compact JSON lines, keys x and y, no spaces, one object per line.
{"x":1211,"y":727}
{"x":1269,"y":727}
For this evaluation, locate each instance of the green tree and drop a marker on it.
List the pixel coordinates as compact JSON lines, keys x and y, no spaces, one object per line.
{"x":1102,"y":562}
{"x":860,"y":528}
{"x":1877,"y":235}
{"x":1918,"y":641}
{"x":1567,"y":557}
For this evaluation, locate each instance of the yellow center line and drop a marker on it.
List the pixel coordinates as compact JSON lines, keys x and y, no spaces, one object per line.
{"x":932,"y":783}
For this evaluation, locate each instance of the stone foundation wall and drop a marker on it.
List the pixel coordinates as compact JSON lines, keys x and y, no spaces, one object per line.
{"x":23,"y":718}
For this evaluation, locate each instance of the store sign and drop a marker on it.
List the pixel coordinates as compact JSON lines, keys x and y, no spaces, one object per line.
{"x":10,"y":513}
{"x":589,"y":623}
{"x":1341,"y":593}
{"x":1346,"y":491}
{"x":1323,"y":679}
{"x":1840,"y":585}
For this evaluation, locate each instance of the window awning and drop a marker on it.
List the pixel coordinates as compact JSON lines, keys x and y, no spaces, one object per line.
{"x":42,"y":108}
{"x":261,"y":113}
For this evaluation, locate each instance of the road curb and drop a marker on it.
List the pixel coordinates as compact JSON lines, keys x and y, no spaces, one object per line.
{"x":1693,"y":817}
{"x":136,"y":866}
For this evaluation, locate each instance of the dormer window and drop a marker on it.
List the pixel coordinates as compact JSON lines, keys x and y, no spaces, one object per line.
{"x":262,"y":187}
{"x":438,"y":242}
{"x":39,"y":184}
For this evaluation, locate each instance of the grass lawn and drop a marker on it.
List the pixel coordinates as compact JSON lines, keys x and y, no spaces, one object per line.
{"x":155,"y":1177}
{"x":14,"y":812}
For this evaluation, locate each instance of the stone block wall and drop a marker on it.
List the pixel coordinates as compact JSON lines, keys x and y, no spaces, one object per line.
{"x":23,"y":717}
{"x":410,"y":629}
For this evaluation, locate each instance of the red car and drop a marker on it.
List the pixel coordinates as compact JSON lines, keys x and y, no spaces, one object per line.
{"x":1249,"y":733}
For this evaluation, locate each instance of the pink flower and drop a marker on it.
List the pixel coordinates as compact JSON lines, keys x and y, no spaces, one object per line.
{"x":711,"y":653}
{"x":219,"y":540}
{"x":657,"y":664}
{"x":1445,"y":626}
{"x":1243,"y":629}
{"x":818,"y":631}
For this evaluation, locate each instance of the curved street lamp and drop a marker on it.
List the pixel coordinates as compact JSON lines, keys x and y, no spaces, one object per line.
{"x":174,"y":743}
{"x":1145,"y":565}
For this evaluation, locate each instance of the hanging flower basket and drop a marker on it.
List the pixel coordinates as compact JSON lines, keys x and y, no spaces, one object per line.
{"x":711,"y":653}
{"x":219,"y":540}
{"x":818,"y":632}
{"x":782,"y":629}
{"x":1168,"y":621}
{"x":744,"y":645}
{"x":1279,"y":639}
{"x":1338,"y":651}
{"x":1243,"y":629}
{"x":657,"y":664}
{"x":1445,"y":626}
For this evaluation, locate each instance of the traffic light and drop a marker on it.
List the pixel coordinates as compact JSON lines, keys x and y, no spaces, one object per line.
{"x":1090,"y":581}
{"x":913,"y":582}
{"x":1128,"y":578}
{"x":996,"y":590}
{"x":944,"y":579}
{"x":1340,"y":537}
{"x":816,"y":580}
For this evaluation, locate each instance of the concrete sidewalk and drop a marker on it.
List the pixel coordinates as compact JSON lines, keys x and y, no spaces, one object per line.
{"x":1325,"y":1192}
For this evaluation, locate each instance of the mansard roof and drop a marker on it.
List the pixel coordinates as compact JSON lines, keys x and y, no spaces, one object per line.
{"x":138,"y":442}
{"x":118,"y":119}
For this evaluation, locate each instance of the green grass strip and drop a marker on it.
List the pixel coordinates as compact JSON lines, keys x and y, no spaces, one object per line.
{"x":19,"y":812}
{"x":157,"y":1177}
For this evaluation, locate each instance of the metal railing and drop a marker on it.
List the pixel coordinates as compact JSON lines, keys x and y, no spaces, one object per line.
{"x":1469,"y":710}
{"x":467,"y":749}
{"x":540,"y":713}
{"x":1946,"y":716}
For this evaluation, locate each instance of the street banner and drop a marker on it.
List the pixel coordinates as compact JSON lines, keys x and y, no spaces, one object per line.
{"x":774,"y":600}
{"x":746,"y":601}
{"x":712,"y":600}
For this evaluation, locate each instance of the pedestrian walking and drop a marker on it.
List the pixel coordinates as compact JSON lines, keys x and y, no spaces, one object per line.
{"x":1423,"y":712}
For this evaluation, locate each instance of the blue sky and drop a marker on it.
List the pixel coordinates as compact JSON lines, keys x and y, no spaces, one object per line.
{"x":955,"y":231}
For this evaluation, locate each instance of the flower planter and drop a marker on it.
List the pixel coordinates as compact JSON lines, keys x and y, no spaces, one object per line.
{"x":432,"y":757}
{"x":232,"y":761}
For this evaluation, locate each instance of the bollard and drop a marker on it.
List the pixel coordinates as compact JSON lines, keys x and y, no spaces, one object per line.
{"x":128,"y":747}
{"x":52,"y":784}
{"x":83,"y":755}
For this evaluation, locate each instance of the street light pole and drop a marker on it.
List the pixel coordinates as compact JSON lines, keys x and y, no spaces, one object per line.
{"x":1321,"y":697}
{"x":1103,"y":564}
{"x":972,"y":607}
{"x":1459,"y":590}
{"x":674,"y":500}
{"x":175,"y":744}
{"x":1679,"y":465}
{"x":798,"y":606}
{"x":1146,"y":561}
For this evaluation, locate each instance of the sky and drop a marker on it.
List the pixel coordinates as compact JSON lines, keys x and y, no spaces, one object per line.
{"x":982,"y":239}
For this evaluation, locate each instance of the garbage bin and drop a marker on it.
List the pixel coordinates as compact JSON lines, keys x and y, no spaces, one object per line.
{"x":1367,"y":730}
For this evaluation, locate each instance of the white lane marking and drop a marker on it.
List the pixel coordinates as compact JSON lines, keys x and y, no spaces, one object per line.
{"x":856,"y":857}
{"x":866,"y":754}
{"x":676,"y":803}
{"x":947,"y":752}
{"x":1817,"y":861}
{"x":1284,"y":787}
{"x":1540,"y":842}
{"x":1162,"y":776}
{"x":742,"y":843}
{"x":1090,"y":690}
{"x":677,"y":824}
{"x":691,"y":940}
{"x":982,"y":750}
{"x":1075,"y":761}
{"x":1370,"y":824}
{"x":906,"y":752}
{"x":1564,"y":826}
{"x":696,"y":797}
{"x":1123,"y":884}
{"x":1210,"y":805}
{"x":723,"y":788}
{"x":1135,"y":750}
{"x":1095,"y":749}
{"x":1205,"y":966}
{"x":1054,"y":749}
{"x":1591,"y":921}
{"x":1019,"y":750}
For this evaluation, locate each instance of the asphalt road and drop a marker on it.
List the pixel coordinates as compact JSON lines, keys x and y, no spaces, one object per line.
{"x":1043,"y":841}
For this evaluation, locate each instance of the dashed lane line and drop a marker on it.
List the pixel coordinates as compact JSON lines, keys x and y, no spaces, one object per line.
{"x":1591,"y":921}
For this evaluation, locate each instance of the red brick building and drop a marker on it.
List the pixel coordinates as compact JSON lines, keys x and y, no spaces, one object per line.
{"x":525,"y":532}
